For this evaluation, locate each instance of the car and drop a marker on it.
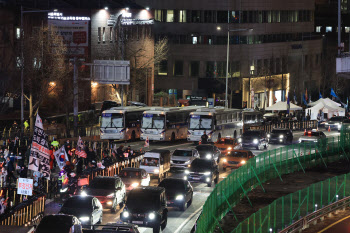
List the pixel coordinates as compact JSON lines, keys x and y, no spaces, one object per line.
{"x":254,"y":138}
{"x":346,"y":125}
{"x":146,"y":207}
{"x":203,"y":171}
{"x":335,"y":122}
{"x":182,"y":158}
{"x":133,"y":177}
{"x":114,"y":228}
{"x":282,"y":136}
{"x":312,"y":136}
{"x":110,"y":191}
{"x":59,"y":223}
{"x":236,"y":159}
{"x":156,"y":162}
{"x":87,"y":209}
{"x":179,"y":192}
{"x":226,"y":145}
{"x":208,"y":151}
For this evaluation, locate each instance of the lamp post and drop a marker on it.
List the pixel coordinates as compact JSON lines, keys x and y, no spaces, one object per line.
{"x":228,"y":53}
{"x":22,"y":63}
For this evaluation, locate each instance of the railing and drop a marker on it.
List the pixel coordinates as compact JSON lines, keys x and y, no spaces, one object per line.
{"x":268,"y":165}
{"x":300,"y":208}
{"x":293,"y":125}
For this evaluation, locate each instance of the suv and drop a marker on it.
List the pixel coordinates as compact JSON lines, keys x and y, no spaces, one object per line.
{"x":335,"y":122}
{"x":203,"y":171}
{"x":146,"y":207}
{"x":110,"y":191}
{"x":254,"y":138}
{"x":59,"y":223}
{"x":182,"y":158}
{"x":280,"y":136}
{"x":209,"y":152}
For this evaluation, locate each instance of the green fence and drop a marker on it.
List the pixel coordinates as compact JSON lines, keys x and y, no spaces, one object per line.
{"x":268,"y":165}
{"x":288,"y":209}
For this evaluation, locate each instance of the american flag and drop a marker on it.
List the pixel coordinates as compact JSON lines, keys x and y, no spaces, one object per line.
{"x":80,"y":149}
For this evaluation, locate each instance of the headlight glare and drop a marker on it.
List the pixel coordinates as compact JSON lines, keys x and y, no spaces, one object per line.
{"x":255,"y":141}
{"x":187,"y":172}
{"x":243,"y":162}
{"x":239,"y":140}
{"x":156,"y":171}
{"x":125,"y":214}
{"x":135,"y":184}
{"x":151,"y":216}
{"x":179,"y":197}
{"x":224,"y":160}
{"x":281,"y":136}
{"x":84,"y":219}
{"x":207,"y":173}
{"x":230,"y":148}
{"x":208,"y":156}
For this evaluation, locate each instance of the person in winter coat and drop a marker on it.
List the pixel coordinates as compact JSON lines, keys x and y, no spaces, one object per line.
{"x":52,"y":156}
{"x":10,"y":171}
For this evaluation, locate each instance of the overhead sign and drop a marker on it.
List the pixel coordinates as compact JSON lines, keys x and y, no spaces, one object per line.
{"x":111,"y":72}
{"x":211,"y":102}
{"x":25,"y":186}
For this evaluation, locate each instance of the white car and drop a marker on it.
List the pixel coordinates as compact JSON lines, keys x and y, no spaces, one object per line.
{"x":182,"y":158}
{"x":312,"y":136}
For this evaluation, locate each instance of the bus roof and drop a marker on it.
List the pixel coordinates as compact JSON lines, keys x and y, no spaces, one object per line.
{"x":209,"y":111}
{"x":162,"y":110}
{"x":126,"y":109}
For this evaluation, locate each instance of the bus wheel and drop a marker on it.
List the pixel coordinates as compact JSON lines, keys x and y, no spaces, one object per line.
{"x":172,"y":137}
{"x":133,"y":136}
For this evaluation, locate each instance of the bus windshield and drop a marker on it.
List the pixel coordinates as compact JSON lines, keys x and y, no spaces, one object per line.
{"x":112,"y":120}
{"x":153,"y":121}
{"x":201,"y":122}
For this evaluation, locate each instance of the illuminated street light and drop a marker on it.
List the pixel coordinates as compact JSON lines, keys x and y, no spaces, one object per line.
{"x":127,"y":8}
{"x":218,"y":28}
{"x":94,"y":84}
{"x":147,"y":8}
{"x":106,"y":8}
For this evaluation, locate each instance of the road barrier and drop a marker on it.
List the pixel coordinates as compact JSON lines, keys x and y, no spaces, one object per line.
{"x":268,"y":165}
{"x":297,"y":210}
{"x":293,"y":125}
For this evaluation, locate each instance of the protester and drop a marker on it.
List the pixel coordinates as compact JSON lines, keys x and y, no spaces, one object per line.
{"x":52,"y":157}
{"x":23,"y":172}
{"x":3,"y":177}
{"x":204,"y":138}
{"x":10,"y":171}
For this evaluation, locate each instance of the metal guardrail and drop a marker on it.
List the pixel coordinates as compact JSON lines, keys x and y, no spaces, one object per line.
{"x":303,"y":223}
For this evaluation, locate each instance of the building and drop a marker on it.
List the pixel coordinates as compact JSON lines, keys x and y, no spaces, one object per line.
{"x":273,"y":49}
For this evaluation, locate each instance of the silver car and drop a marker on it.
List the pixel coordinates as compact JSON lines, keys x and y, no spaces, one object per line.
{"x":182,"y":158}
{"x":312,"y":136}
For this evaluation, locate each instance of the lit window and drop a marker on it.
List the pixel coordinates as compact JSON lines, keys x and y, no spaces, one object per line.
{"x":18,"y":33}
{"x":158,"y":15}
{"x":170,"y":16}
{"x":347,"y":29}
{"x":210,"y":42}
{"x":318,"y":29}
{"x":194,"y":40}
{"x":328,"y":29}
{"x":182,"y":16}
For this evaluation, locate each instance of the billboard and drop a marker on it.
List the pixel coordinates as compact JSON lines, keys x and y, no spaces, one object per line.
{"x":111,"y":72}
{"x":75,"y":35}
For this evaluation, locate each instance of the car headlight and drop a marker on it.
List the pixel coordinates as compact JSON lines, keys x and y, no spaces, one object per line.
{"x":171,"y":162}
{"x":239,"y":140}
{"x":224,"y":160}
{"x":151,"y":216}
{"x":179,"y":197}
{"x":185,"y":177}
{"x":268,"y":135}
{"x":230,"y":148}
{"x":83,"y":193}
{"x":208,"y":156}
{"x":109,"y":202}
{"x":326,"y":123}
{"x":243,"y":162}
{"x":255,"y":141}
{"x":84,"y":219}
{"x":110,"y":195}
{"x":187,"y":172}
{"x":63,"y":190}
{"x":208,"y":179}
{"x":126,"y":214}
{"x":135,"y":184}
{"x":207,"y":173}
{"x":281,"y":136}
{"x":156,"y":171}
{"x":187,"y":162}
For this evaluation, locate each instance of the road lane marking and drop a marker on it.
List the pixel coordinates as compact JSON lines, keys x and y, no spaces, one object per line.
{"x":174,"y":145}
{"x":187,"y":220}
{"x":333,"y":224}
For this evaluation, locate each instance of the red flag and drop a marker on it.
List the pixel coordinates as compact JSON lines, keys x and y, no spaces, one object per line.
{"x":306,"y":96}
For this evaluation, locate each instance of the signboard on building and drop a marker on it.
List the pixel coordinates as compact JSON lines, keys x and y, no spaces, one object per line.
{"x":111,"y":72}
{"x":25,"y":186}
{"x":75,"y":34}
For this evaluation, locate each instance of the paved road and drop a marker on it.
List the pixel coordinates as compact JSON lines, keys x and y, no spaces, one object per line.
{"x":179,"y":221}
{"x":341,"y":226}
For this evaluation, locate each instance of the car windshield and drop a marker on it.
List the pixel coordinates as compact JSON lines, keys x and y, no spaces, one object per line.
{"x":142,"y":200}
{"x":185,"y":153}
{"x":200,"y":122}
{"x":204,"y":148}
{"x":130,"y":174}
{"x":336,"y":119}
{"x":172,"y":184}
{"x":153,"y":162}
{"x":251,"y":133}
{"x":226,"y":141}
{"x":275,"y":131}
{"x":113,"y":120}
{"x":153,"y":121}
{"x":102,"y":184}
{"x":78,"y":203}
{"x":55,"y":224}
{"x":239,"y":154}
{"x":201,"y":163}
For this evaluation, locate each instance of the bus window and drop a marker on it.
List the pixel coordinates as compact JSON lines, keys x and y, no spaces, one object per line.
{"x":229,"y":117}
{"x":239,"y":116}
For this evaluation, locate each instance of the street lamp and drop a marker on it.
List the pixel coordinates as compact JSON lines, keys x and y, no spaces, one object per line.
{"x":227,"y":55}
{"x":22,"y":63}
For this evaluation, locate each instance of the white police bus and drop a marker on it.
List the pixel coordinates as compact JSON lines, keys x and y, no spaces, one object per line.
{"x":217,"y":122}
{"x":166,"y":124}
{"x":121,"y":123}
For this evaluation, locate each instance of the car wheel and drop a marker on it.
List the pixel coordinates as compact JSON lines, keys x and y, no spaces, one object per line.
{"x":182,"y":206}
{"x":156,"y":229}
{"x":189,"y":203}
{"x":163,"y":225}
{"x":209,"y":184}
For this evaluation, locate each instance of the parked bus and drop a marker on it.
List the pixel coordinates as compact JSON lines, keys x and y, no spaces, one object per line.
{"x":252,"y":119}
{"x":218,"y":122}
{"x":121,"y":123}
{"x":166,"y":124}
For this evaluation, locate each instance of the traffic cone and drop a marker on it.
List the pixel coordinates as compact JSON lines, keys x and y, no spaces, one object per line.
{"x":305,"y":131}
{"x":329,"y":128}
{"x":200,"y":142}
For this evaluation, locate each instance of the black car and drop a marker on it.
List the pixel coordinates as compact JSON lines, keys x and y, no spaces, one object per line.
{"x":208,"y":152}
{"x":335,"y":122}
{"x":179,"y":192}
{"x":110,"y":191}
{"x":254,"y":138}
{"x":59,"y":223}
{"x":146,"y":207}
{"x":282,"y":136}
{"x":87,"y":209}
{"x":203,"y":171}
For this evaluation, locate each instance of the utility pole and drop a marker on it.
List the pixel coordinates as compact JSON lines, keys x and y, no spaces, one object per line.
{"x":22,"y":78}
{"x":75,"y":97}
{"x":339,"y":27}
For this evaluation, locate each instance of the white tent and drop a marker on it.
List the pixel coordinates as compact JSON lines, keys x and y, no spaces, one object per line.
{"x":282,"y":106}
{"x":331,"y":110}
{"x":327,"y":101}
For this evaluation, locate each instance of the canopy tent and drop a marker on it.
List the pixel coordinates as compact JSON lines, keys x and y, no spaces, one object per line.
{"x":282,"y":106}
{"x":323,"y":107}
{"x":327,"y":101}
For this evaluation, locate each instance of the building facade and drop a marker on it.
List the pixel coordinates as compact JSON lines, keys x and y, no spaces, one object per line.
{"x":272,"y":51}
